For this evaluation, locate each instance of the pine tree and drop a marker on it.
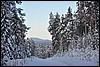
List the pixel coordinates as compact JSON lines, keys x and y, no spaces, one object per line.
{"x":67,"y":30}
{"x":12,"y":31}
{"x":80,"y":17}
{"x":87,"y":14}
{"x":54,"y":31}
{"x":76,"y":31}
{"x":30,"y":47}
{"x":6,"y":14}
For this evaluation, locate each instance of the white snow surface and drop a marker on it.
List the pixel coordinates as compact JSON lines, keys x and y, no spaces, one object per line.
{"x":53,"y":61}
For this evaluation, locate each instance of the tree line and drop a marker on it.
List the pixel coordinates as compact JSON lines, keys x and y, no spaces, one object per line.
{"x":69,"y":30}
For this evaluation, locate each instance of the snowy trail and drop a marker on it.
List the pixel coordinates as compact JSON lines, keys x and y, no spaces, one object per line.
{"x":38,"y":62}
{"x":54,"y":61}
{"x":44,"y":62}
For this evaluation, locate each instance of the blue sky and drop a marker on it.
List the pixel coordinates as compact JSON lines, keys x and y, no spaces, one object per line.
{"x":37,"y":15}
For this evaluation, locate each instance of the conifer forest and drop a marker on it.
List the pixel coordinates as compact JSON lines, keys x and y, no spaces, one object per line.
{"x":74,"y":37}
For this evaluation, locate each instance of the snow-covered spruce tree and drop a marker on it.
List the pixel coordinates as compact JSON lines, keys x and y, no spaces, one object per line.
{"x":12,"y":31}
{"x":75,"y":36}
{"x":30,"y":47}
{"x":54,"y":31}
{"x":62,"y":31}
{"x":80,"y":13}
{"x":68,"y":30}
{"x":96,"y":31}
{"x":4,"y":26}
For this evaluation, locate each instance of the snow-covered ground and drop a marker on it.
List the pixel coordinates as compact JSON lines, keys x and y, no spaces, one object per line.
{"x":53,"y":61}
{"x":36,"y":62}
{"x":72,"y":61}
{"x":87,"y":57}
